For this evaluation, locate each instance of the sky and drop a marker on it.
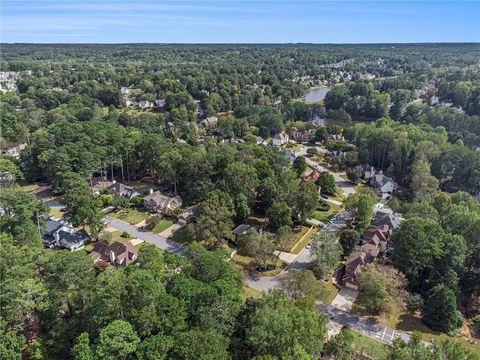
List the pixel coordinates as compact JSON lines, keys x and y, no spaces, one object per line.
{"x":248,"y":21}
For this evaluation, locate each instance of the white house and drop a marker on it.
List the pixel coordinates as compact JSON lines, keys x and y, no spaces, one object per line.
{"x":383,"y":183}
{"x":280,"y":139}
{"x":145,"y":104}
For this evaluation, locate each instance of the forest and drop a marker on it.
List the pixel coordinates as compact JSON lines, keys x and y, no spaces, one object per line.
{"x":193,"y":121}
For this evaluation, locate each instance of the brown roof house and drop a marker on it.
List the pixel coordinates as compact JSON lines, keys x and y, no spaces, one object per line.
{"x":157,"y":202}
{"x":117,"y":253}
{"x":190,"y":214}
{"x":352,"y":267}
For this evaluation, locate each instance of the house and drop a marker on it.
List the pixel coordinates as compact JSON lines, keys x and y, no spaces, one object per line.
{"x":352,"y":267}
{"x":378,"y":236}
{"x":120,"y":254}
{"x":289,"y":155}
{"x":125,"y":90}
{"x":98,"y":184}
{"x":121,"y":190}
{"x":337,"y":137}
{"x":314,"y":175}
{"x":241,"y":230}
{"x":145,"y":104}
{"x":259,"y":140}
{"x":62,"y":234}
{"x":190,"y":214}
{"x":387,"y":217}
{"x":160,"y":103}
{"x":15,"y":151}
{"x":277,"y":103}
{"x":209,"y":121}
{"x":303,"y":136}
{"x":157,"y":202}
{"x":280,"y":139}
{"x":127,"y":103}
{"x":383,"y":183}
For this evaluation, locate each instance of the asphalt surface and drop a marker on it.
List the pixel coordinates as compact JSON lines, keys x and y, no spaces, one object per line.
{"x":362,"y":325}
{"x":147,"y":236}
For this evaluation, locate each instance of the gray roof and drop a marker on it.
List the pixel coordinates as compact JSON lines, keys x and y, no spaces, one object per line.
{"x":386,"y":217}
{"x":241,"y":229}
{"x":52,"y":225}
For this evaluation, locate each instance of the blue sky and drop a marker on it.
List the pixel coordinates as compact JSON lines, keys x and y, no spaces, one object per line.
{"x":248,"y":21}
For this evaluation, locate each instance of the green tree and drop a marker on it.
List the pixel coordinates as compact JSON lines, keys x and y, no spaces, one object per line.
{"x":117,"y":341}
{"x":440,"y":310}
{"x":11,"y":344}
{"x":155,"y":347}
{"x":326,"y":252}
{"x":373,"y":286}
{"x":300,"y":284}
{"x":327,"y":183}
{"x":361,"y":207}
{"x":242,"y":209}
{"x":82,"y":350}
{"x":200,"y":345}
{"x":306,"y":200}
{"x":348,"y":239}
{"x":279,"y":215}
{"x":299,"y":165}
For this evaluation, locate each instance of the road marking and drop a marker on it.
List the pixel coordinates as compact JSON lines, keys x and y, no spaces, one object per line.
{"x":393,"y":335}
{"x":384,"y":331}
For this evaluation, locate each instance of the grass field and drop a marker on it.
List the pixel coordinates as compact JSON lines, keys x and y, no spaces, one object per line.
{"x":162,"y":225}
{"x":131,"y":216}
{"x":328,"y":291}
{"x":249,"y":292}
{"x":182,"y":236}
{"x":325,"y":216}
{"x":248,"y":264}
{"x":28,"y":187}
{"x":55,"y":213}
{"x":366,"y":346}
{"x":293,"y":240}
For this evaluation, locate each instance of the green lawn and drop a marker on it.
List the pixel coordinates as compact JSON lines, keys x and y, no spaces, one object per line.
{"x":55,"y":213}
{"x":302,"y":242}
{"x":364,"y":345}
{"x":249,"y":292}
{"x":143,"y":188}
{"x":131,"y":216}
{"x":162,"y":225}
{"x":294,"y":239}
{"x":325,"y":216}
{"x":328,"y":291}
{"x":27,"y":187}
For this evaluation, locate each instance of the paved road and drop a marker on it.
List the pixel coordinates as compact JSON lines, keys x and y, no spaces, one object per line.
{"x":345,"y":185}
{"x":362,"y":325}
{"x":147,"y":236}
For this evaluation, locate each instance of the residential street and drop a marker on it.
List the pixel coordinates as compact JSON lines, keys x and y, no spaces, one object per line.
{"x":345,"y":185}
{"x":147,"y":236}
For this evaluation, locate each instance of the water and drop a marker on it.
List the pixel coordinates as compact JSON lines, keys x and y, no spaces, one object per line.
{"x":316,"y":94}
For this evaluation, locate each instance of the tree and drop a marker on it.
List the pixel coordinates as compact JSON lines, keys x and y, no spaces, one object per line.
{"x":326,"y":252}
{"x":373,"y":285}
{"x":279,"y":214}
{"x":299,"y":284}
{"x":117,"y":341}
{"x":422,"y":182}
{"x":276,"y":325}
{"x":354,"y":175}
{"x":327,"y":183}
{"x":440,"y":310}
{"x":11,"y":344}
{"x":214,"y":225}
{"x":155,"y":347}
{"x":242,"y":209}
{"x":361,"y":207}
{"x":200,"y":345}
{"x":340,"y":345}
{"x":306,"y":200}
{"x":348,"y":239}
{"x":82,"y":350}
{"x":299,"y":165}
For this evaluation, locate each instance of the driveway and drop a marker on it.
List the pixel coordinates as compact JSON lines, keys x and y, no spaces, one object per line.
{"x":362,"y":325}
{"x":345,"y":299}
{"x":147,"y":236}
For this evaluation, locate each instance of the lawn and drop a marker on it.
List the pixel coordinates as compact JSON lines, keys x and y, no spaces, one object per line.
{"x":55,"y":212}
{"x":131,"y":216}
{"x":162,"y":225}
{"x":325,"y":216}
{"x":249,"y":292}
{"x":328,"y":291}
{"x":143,"y":188}
{"x":303,"y":241}
{"x":248,"y":264}
{"x":294,"y":239}
{"x":182,"y":235}
{"x":366,"y":346}
{"x":28,"y":187}
{"x":409,"y":322}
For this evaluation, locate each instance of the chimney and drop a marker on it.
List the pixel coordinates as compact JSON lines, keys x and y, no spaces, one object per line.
{"x":151,"y":191}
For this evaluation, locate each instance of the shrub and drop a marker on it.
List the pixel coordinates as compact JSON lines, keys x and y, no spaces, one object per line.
{"x":125,"y":234}
{"x":151,"y":222}
{"x":414,"y":302}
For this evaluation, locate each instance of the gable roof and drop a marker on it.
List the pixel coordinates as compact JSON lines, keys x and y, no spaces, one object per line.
{"x":241,"y":229}
{"x":161,"y":200}
{"x":386,"y":217}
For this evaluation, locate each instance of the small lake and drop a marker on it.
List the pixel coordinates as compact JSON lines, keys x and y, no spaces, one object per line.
{"x":316,"y":94}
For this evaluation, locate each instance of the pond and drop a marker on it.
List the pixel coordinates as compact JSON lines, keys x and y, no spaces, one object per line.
{"x":316,"y":94}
